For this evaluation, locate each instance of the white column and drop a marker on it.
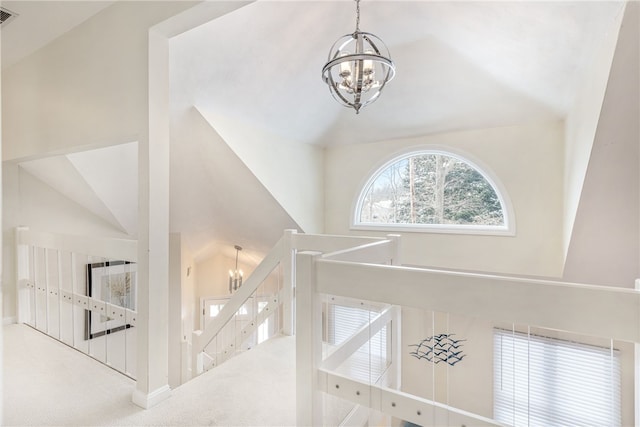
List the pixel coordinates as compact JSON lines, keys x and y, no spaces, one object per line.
{"x":288,"y":279}
{"x":308,"y":342}
{"x":153,"y":244}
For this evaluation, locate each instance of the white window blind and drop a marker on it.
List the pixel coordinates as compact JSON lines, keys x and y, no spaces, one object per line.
{"x":540,"y":381}
{"x":371,"y":360}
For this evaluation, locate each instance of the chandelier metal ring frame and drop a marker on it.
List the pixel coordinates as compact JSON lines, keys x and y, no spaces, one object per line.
{"x":354,"y":67}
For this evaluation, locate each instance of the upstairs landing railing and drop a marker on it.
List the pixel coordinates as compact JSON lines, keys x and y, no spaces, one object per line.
{"x":80,"y":291}
{"x":459,"y":308}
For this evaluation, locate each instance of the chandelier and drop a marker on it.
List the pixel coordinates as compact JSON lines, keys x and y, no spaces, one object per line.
{"x":358,"y":68}
{"x":235,"y":276}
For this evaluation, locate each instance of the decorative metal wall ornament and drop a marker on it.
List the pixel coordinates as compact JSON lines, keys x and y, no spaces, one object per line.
{"x":439,"y":348}
{"x":358,"y":68}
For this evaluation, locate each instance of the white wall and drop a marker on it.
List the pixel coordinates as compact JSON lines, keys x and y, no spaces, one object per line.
{"x":289,"y":170}
{"x":212,"y":279}
{"x":31,"y":202}
{"x":527,"y":160}
{"x":292,"y":172}
{"x":582,"y":123}
{"x":87,"y":88}
{"x":182,"y":309}
{"x":468,"y":385}
{"x":189,"y":307}
{"x":605,"y":244}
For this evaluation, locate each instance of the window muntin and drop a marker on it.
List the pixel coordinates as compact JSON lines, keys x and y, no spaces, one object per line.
{"x":431,"y":189}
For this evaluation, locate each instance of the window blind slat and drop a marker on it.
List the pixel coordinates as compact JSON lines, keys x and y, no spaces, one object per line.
{"x":546,"y":381}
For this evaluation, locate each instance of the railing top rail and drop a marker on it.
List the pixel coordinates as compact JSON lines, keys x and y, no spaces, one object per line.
{"x":329,"y":243}
{"x":558,"y":305}
{"x":491,"y":277}
{"x":368,"y":247}
{"x":111,"y":248}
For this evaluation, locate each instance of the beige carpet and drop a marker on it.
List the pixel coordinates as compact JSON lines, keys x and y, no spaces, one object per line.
{"x":49,"y":384}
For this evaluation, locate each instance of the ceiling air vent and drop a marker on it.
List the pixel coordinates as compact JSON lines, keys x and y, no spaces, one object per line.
{"x":6,"y":16}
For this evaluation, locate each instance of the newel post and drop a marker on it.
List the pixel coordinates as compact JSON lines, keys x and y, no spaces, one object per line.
{"x":308,"y":341}
{"x":288,"y":282}
{"x":197,"y":365}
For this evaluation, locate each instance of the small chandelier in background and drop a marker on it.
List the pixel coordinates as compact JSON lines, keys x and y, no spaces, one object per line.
{"x":235,"y":276}
{"x":358,"y":68}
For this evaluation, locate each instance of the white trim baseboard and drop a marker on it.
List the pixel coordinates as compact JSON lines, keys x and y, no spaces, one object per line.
{"x":8,"y":321}
{"x":148,"y":400}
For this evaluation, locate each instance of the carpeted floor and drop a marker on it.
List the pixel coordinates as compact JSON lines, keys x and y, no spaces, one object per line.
{"x":46,"y":383}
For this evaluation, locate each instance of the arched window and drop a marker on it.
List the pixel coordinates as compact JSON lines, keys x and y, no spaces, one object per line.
{"x":431,"y":190}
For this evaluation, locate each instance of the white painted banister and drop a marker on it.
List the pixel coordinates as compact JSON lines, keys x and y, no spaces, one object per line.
{"x":340,"y":246}
{"x":288,"y":280}
{"x":52,"y":273}
{"x":201,"y":339}
{"x":325,"y":243}
{"x":378,"y":252}
{"x":251,"y":327}
{"x":109,"y":248}
{"x":401,"y":405}
{"x":519,"y":300}
{"x":308,"y":342}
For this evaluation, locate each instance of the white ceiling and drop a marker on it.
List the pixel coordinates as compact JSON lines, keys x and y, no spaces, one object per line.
{"x":104,"y":181}
{"x":39,"y":22}
{"x":460,"y":65}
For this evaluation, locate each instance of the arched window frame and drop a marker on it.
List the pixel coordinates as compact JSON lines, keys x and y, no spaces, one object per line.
{"x":508,"y":229}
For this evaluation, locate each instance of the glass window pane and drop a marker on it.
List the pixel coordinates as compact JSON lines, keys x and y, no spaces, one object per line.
{"x":431,"y":188}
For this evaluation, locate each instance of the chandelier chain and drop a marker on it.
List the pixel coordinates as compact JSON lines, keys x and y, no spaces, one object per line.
{"x":357,"y":16}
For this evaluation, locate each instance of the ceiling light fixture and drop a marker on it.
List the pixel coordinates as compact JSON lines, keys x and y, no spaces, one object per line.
{"x":358,"y":68}
{"x":235,"y":276}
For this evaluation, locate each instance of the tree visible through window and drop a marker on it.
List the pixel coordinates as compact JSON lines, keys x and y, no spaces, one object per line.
{"x":431,"y":188}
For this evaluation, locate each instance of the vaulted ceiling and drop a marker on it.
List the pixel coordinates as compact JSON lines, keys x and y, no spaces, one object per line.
{"x":460,"y":65}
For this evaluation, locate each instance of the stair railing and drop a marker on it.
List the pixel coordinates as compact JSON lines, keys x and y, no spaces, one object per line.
{"x":201,"y":339}
{"x":283,"y":254}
